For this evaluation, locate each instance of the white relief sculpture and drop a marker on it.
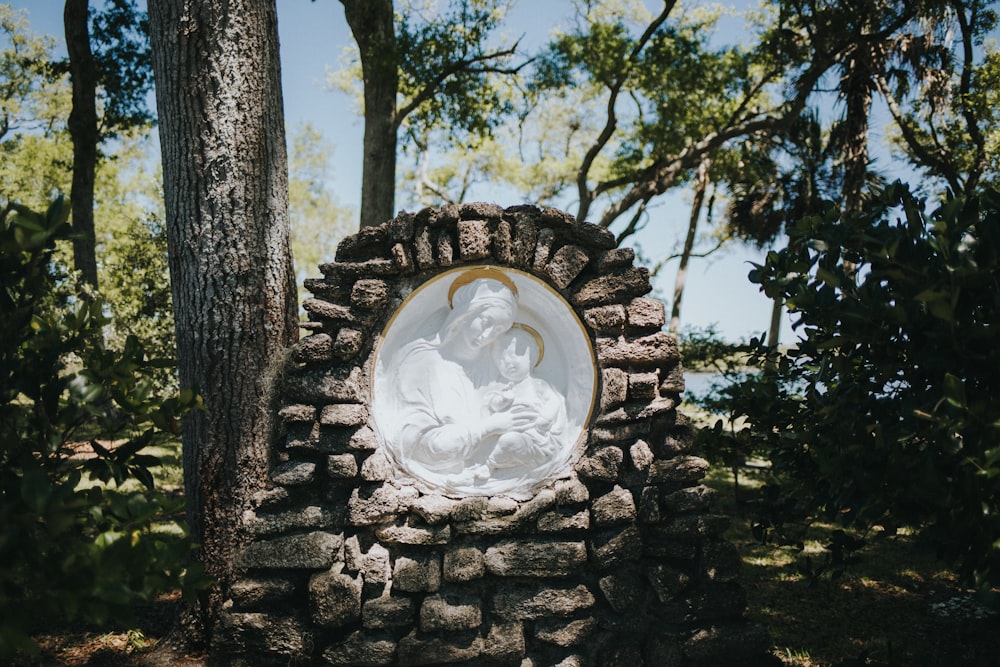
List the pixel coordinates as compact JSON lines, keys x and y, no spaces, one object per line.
{"x":483,"y":383}
{"x":515,"y":353}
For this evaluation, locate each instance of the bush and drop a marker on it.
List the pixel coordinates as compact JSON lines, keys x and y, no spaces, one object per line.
{"x":885,"y":412}
{"x":77,"y":537}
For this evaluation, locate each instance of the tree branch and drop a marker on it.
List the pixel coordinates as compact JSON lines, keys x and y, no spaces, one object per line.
{"x":456,"y":67}
{"x":585,"y":195}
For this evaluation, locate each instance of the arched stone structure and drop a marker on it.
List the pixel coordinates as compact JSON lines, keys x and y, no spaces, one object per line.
{"x":613,"y":559}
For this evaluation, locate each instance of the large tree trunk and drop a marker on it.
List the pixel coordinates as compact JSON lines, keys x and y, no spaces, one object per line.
{"x":371,"y":23}
{"x":83,"y":132}
{"x":701,"y":186}
{"x":225,"y":174}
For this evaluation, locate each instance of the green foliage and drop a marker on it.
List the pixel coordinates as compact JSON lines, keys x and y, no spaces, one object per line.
{"x":77,"y":539}
{"x":884,"y":413}
{"x":317,"y":222}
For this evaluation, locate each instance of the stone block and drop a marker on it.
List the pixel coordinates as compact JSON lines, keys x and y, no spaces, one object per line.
{"x":561,"y":521}
{"x":324,"y":310}
{"x":565,"y":633}
{"x":434,"y":509}
{"x":313,"y":348}
{"x":343,"y":414}
{"x":504,"y":644}
{"x":423,"y":250}
{"x":252,"y":592}
{"x":375,"y":570}
{"x":673,"y":380}
{"x":524,"y":602}
{"x":473,"y":240}
{"x":645,"y":314}
{"x":525,"y":239}
{"x":402,"y":258}
{"x":363,"y":439}
{"x":377,"y":468}
{"x":359,"y":650}
{"x":281,"y":638}
{"x":615,"y":547}
{"x":348,"y":343}
{"x":479,"y":210}
{"x":366,"y":242}
{"x":678,"y":470}
{"x":625,"y":590}
{"x":374,"y":506}
{"x":642,"y":456}
{"x":566,"y":265}
{"x":613,"y":287}
{"x":655,"y":349}
{"x":273,"y":523}
{"x":571,"y":492}
{"x":315,"y":550}
{"x":297,"y":413}
{"x":643,"y":386}
{"x":463,"y":564}
{"x":524,"y":558}
{"x":614,"y":387}
{"x":603,"y":465}
{"x":727,"y":644}
{"x":456,"y":647}
{"x":415,"y":575}
{"x":450,"y":613}
{"x":649,"y":505}
{"x":503,"y":243}
{"x":470,"y":509}
{"x":387,"y":612}
{"x":334,"y":599}
{"x":543,"y":248}
{"x":615,"y":258}
{"x":369,"y":294}
{"x":445,"y":249}
{"x":342,"y":466}
{"x":692,"y":499}
{"x":319,"y":385}
{"x":615,"y":507}
{"x":667,"y":582}
{"x":294,"y":473}
{"x":414,"y":535}
{"x":302,"y":435}
{"x":606,"y":320}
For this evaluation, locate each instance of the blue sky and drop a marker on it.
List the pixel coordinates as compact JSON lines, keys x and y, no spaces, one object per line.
{"x":313,"y":36}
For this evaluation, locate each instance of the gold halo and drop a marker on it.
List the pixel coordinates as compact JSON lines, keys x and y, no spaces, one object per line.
{"x":534,"y":334}
{"x":475,"y":274}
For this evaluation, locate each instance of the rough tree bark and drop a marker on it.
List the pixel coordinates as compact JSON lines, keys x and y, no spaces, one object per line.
{"x":371,"y":24}
{"x":84,"y":133}
{"x":226,"y":186}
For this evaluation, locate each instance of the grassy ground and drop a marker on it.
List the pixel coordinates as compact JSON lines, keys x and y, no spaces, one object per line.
{"x":894,"y":605}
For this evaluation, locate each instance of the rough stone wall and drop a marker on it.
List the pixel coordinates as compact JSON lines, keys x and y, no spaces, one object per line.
{"x":620,"y":564}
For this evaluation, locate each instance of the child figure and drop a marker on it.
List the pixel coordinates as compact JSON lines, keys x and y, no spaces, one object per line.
{"x":515,"y":353}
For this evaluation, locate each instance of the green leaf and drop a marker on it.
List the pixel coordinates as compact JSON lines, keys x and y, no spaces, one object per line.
{"x":954,"y":391}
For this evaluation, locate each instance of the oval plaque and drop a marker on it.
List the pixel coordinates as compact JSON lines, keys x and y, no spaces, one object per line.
{"x":484,"y":383}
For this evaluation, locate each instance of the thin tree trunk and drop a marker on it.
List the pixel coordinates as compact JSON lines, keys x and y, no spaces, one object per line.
{"x":371,"y":24}
{"x":83,"y":132}
{"x":774,"y":330}
{"x":701,"y":186}
{"x":225,"y":173}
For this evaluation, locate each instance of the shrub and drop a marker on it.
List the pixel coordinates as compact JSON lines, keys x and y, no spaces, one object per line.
{"x":77,"y":540}
{"x":885,"y":411}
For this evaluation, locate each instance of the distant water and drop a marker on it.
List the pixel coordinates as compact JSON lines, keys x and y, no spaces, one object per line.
{"x":699,"y":383}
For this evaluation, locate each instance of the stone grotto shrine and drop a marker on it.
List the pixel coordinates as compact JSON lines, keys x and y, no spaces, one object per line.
{"x":479,"y":461}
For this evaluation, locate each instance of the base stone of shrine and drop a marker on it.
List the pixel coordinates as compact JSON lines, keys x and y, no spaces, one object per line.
{"x":617,"y":561}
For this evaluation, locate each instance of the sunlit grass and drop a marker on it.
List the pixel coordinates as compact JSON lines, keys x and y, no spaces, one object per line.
{"x":877,"y":611}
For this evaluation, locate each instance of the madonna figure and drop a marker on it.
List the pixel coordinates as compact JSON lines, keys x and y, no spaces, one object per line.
{"x":438,"y":416}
